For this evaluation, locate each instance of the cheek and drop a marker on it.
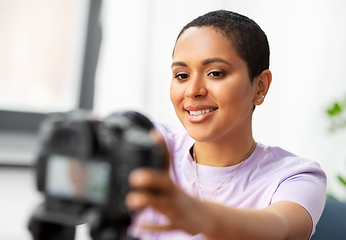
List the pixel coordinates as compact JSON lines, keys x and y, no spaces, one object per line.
{"x":177,"y":93}
{"x":232,"y":95}
{"x":225,"y":93}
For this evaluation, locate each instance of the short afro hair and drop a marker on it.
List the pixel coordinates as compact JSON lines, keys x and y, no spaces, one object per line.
{"x":247,"y":38}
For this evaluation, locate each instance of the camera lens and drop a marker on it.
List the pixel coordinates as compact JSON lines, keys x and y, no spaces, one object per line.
{"x":68,"y":138}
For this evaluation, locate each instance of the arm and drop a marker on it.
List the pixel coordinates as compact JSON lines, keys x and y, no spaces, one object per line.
{"x":282,"y":220}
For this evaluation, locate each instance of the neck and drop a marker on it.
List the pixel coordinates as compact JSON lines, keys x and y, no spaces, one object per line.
{"x":223,"y":153}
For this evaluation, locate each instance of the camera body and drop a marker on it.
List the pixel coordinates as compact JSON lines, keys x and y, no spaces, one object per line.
{"x":84,"y":163}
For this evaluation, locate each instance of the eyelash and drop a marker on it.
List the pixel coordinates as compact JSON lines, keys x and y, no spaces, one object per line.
{"x":218,"y":74}
{"x":181,"y":76}
{"x":214,"y":74}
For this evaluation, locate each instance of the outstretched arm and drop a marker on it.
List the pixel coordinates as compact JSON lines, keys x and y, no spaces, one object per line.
{"x":282,"y":220}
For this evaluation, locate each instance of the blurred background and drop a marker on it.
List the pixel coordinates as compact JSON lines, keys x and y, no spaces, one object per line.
{"x":111,"y":55}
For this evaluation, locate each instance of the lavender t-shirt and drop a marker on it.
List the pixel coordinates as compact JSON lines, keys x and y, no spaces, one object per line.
{"x":269,"y":175}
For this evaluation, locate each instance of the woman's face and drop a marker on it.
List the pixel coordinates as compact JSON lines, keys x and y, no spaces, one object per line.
{"x":211,"y":91}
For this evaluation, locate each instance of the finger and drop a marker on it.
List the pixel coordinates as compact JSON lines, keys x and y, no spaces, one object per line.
{"x":137,"y":200}
{"x":155,"y":228}
{"x":150,"y":178}
{"x":179,"y":208}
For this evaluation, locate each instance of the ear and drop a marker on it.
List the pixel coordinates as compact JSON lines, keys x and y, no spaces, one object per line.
{"x":261,"y":85}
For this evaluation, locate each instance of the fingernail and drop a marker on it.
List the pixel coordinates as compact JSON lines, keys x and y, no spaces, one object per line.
{"x":136,"y":201}
{"x":140,"y":176}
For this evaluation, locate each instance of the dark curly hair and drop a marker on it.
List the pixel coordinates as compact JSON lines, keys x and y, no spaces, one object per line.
{"x":247,"y":38}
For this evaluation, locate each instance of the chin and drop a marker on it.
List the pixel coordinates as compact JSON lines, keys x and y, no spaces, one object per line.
{"x":200,"y":136}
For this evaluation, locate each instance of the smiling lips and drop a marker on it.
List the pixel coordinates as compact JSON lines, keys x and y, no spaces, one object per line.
{"x":197,"y":114}
{"x":203,"y":111}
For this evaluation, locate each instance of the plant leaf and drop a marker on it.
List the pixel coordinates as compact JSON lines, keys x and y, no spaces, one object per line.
{"x":334,"y":110}
{"x":342,"y":180}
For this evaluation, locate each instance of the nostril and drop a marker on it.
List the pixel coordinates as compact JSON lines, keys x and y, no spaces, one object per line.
{"x":196,"y":89}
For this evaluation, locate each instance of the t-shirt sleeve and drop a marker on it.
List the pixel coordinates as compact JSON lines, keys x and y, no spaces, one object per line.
{"x":306,"y":187}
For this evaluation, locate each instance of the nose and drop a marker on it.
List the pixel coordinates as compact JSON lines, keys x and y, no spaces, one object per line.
{"x":196,"y":88}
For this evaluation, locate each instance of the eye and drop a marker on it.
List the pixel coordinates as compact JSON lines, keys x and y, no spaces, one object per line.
{"x":181,"y":76}
{"x":216,"y":74}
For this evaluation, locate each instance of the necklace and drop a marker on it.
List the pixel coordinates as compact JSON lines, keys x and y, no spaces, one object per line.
{"x":211,"y":196}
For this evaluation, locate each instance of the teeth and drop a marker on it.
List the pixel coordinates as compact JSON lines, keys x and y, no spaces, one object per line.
{"x":199,"y":112}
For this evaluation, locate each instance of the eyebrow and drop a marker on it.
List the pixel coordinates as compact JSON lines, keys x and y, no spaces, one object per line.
{"x":181,"y":64}
{"x":205,"y":62}
{"x":212,"y":60}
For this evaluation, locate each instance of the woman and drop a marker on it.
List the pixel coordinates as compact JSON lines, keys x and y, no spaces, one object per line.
{"x":221,"y":183}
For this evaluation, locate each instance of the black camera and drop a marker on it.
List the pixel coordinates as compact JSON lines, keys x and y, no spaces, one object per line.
{"x":83,"y":167}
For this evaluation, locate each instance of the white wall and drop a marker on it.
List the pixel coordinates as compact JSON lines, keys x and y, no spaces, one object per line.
{"x":134,"y":68}
{"x":308,"y":52}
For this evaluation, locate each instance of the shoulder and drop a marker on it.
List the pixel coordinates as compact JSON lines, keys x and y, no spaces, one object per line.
{"x":285,"y":168}
{"x":175,"y":136}
{"x":287,"y":163}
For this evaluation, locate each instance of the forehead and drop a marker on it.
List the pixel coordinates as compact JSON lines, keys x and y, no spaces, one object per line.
{"x":203,"y":42}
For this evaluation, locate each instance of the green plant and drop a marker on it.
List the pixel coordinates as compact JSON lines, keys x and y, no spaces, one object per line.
{"x":337,"y":115}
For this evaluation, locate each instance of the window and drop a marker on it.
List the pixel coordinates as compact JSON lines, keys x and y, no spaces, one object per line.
{"x":48,"y":57}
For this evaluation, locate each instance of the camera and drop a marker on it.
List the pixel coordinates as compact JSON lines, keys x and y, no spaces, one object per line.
{"x":82,"y":169}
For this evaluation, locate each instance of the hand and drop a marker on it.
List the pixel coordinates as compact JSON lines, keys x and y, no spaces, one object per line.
{"x":155,"y":188}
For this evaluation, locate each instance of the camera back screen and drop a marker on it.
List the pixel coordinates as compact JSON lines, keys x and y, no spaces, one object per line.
{"x":76,"y":179}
